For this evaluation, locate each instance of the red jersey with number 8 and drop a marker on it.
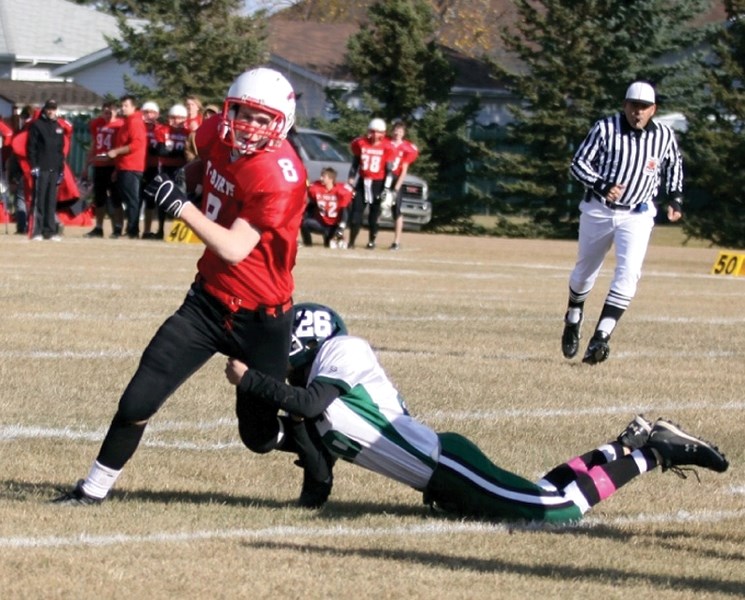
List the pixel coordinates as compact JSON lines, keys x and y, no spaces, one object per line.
{"x":268,"y":190}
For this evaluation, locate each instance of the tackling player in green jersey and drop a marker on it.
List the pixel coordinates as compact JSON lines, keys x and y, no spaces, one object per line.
{"x":337,"y":385}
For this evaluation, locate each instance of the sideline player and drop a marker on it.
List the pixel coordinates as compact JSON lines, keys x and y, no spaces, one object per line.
{"x":338,"y":385}
{"x":105,"y":198}
{"x":327,"y":212}
{"x":621,"y":163}
{"x":406,"y":153}
{"x":241,"y":302}
{"x":370,"y":176}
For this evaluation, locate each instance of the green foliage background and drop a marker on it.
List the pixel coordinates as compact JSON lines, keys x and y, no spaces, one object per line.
{"x":577,"y":58}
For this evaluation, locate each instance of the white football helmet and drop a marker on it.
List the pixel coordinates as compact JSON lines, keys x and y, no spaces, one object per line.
{"x":178,"y":111}
{"x":264,"y":90}
{"x":377,"y":124}
{"x":151,"y":107}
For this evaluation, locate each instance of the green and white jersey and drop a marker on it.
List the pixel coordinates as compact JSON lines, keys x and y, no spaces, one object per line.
{"x":369,"y":424}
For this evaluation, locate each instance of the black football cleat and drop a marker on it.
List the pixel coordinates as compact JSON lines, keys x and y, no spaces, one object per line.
{"x":314,"y":493}
{"x":76,"y":497}
{"x":636,"y":433}
{"x":678,"y":448}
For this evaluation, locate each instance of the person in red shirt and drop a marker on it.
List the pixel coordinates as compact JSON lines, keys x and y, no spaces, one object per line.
{"x":103,"y":131}
{"x":6,"y":134}
{"x":370,"y":176}
{"x":240,"y":305}
{"x":128,"y":153}
{"x":327,"y":209}
{"x":406,"y":153}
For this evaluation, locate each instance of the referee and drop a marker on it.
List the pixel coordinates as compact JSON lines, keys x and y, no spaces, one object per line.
{"x":621,"y":164}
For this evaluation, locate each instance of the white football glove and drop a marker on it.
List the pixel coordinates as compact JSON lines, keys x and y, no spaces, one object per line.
{"x":387,"y":199}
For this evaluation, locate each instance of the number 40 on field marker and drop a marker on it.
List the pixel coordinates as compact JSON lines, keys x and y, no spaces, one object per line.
{"x":182,"y":233}
{"x":728,"y":263}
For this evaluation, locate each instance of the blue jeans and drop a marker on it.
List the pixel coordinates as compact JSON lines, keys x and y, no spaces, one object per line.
{"x":128,"y":186}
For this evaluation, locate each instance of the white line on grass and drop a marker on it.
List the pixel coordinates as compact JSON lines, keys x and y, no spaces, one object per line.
{"x":429,"y":529}
{"x":18,"y":431}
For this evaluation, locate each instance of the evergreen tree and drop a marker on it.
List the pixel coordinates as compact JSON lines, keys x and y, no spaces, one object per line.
{"x":190,"y":46}
{"x":395,"y":59}
{"x":715,"y":143}
{"x":579,"y":55}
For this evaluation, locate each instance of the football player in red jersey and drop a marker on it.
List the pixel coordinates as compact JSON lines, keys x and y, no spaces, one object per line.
{"x":371,"y":177}
{"x":328,"y":203}
{"x":171,"y":150}
{"x":406,"y":153}
{"x":240,"y":305}
{"x":103,"y":130}
{"x":156,"y":137}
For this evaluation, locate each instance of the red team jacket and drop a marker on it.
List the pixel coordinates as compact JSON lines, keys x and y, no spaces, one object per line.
{"x":373,"y":158}
{"x":329,"y":203}
{"x":268,"y":190}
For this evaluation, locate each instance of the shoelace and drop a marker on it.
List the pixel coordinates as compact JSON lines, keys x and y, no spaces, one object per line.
{"x":680,"y":472}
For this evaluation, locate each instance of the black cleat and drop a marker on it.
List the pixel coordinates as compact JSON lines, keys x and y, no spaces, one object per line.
{"x":636,"y":433}
{"x":570,"y":338}
{"x":314,"y":493}
{"x":598,"y":349}
{"x":96,"y":232}
{"x":76,"y":497}
{"x":678,"y":448}
{"x":370,"y":246}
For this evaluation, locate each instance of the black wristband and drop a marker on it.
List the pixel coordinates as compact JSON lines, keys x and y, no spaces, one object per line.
{"x":602,"y":187}
{"x":676,"y":204}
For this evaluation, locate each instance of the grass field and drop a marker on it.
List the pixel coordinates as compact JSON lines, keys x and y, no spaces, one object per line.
{"x":469,"y":330}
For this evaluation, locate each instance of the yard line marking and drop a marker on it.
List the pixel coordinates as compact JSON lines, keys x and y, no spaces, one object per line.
{"x":80,"y":354}
{"x":551,"y":413}
{"x":18,"y":431}
{"x":284,"y":531}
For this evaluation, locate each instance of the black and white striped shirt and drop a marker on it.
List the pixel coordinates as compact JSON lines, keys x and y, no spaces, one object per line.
{"x":615,"y":153}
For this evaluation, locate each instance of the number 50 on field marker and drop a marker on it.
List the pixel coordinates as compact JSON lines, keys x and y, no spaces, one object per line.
{"x":728,"y":263}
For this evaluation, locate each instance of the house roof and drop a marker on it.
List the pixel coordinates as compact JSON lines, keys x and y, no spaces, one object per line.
{"x":316,"y":47}
{"x":70,"y":96}
{"x":52,"y":31}
{"x":320,"y":48}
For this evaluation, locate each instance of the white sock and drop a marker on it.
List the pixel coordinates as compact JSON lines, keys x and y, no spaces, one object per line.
{"x":100,"y":480}
{"x":607,"y":325}
{"x":574,"y":315}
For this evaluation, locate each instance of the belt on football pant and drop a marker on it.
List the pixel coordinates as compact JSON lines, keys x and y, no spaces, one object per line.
{"x":234,"y":303}
{"x":614,"y":206}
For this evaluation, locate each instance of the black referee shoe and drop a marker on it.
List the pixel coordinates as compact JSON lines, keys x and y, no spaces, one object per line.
{"x":570,"y":338}
{"x":598,"y":349}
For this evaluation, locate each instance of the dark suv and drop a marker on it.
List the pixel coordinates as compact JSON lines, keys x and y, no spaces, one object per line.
{"x":319,"y":149}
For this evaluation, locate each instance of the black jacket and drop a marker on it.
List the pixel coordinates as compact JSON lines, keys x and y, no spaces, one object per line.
{"x":45,"y":145}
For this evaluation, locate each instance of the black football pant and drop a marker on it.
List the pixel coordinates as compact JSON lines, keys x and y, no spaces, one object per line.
{"x":358,"y":210}
{"x":200,"y":328}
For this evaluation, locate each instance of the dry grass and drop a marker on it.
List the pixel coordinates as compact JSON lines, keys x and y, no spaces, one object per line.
{"x":468,"y":328}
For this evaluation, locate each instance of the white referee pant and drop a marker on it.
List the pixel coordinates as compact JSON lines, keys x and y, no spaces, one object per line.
{"x":601,"y":227}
